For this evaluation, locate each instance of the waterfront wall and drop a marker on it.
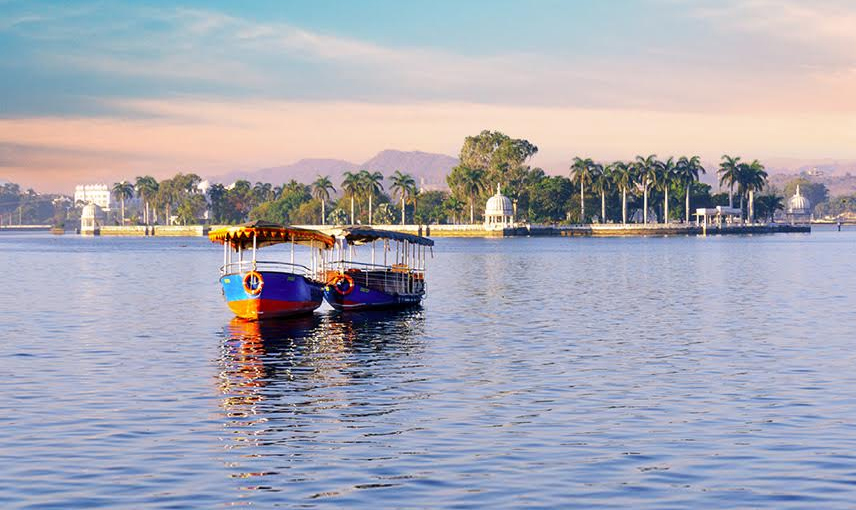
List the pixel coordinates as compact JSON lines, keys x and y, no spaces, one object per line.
{"x":155,"y":230}
{"x":594,"y":230}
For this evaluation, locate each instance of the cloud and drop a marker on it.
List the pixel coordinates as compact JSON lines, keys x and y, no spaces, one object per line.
{"x":157,"y":53}
{"x":814,"y":23}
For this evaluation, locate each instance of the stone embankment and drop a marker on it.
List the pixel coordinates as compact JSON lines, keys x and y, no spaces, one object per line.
{"x":155,"y":230}
{"x":594,"y":230}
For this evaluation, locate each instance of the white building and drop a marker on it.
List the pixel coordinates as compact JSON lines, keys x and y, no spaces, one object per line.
{"x":98,"y":194}
{"x":91,"y":219}
{"x":499,"y":212}
{"x":799,"y":208}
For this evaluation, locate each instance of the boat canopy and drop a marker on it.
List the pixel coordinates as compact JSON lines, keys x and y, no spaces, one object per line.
{"x":268,"y":234}
{"x":363,"y":235}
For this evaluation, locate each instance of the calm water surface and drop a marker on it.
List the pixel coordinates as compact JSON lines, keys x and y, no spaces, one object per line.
{"x":594,"y":373}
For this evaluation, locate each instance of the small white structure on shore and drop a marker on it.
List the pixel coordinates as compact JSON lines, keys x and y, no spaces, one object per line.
{"x":716,"y":215}
{"x":799,"y":208}
{"x":499,"y":212}
{"x":91,"y":218}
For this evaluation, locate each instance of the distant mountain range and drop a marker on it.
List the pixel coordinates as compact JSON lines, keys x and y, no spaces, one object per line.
{"x":427,"y":168}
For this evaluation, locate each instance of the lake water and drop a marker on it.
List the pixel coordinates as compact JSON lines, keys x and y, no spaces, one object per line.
{"x":674,"y":372}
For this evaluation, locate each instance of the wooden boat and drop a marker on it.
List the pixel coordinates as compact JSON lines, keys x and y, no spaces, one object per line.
{"x":353,"y":285}
{"x":256,"y":289}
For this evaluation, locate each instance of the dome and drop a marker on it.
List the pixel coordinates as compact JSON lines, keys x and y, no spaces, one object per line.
{"x":799,"y":204}
{"x":498,"y":205}
{"x":91,"y":211}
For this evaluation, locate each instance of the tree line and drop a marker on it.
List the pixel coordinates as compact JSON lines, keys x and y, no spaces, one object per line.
{"x":643,"y":189}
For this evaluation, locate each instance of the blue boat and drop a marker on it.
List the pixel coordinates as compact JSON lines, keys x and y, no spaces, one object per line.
{"x":256,"y":289}
{"x":353,"y":285}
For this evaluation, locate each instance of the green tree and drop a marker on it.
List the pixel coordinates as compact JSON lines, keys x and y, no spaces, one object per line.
{"x":191,"y":208}
{"x":769,"y":204}
{"x":430,"y":207}
{"x":321,"y":191}
{"x":647,"y":170}
{"x":263,"y":192}
{"x":147,"y":190}
{"x":371,"y":183}
{"x":338,"y":216}
{"x":239,"y":201}
{"x":665,"y":179}
{"x":753,"y":178}
{"x":602,"y":183}
{"x":624,"y":177}
{"x":687,"y":172}
{"x":351,"y":186}
{"x":497,"y":155}
{"x":217,"y":196}
{"x":581,"y":172}
{"x":729,"y":174}
{"x":384,"y":214}
{"x":403,"y":185}
{"x":467,"y":182}
{"x":123,"y":190}
{"x":454,"y":208}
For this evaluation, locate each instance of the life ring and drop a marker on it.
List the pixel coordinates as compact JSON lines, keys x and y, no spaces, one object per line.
{"x":344,"y":277}
{"x":253,"y":291}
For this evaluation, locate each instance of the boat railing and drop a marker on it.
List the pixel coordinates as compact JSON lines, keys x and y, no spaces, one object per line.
{"x":265,"y":265}
{"x":394,"y":279}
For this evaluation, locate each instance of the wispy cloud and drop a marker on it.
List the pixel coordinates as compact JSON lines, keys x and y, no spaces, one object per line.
{"x":203,"y":52}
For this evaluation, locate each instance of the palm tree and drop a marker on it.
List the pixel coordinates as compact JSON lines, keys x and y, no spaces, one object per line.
{"x":338,"y":216}
{"x":263,"y":192}
{"x":601,"y":182}
{"x":351,"y":186}
{"x":581,"y":171}
{"x":752,"y":178}
{"x":729,"y":172}
{"x":123,"y":190}
{"x":686,"y":172}
{"x":471,"y":185}
{"x":321,"y":191}
{"x":403,"y":185}
{"x":666,"y":176}
{"x":147,"y":189}
{"x":647,"y":171}
{"x":294,"y":186}
{"x":372,"y":184}
{"x":769,"y":204}
{"x":622,"y":175}
{"x":454,"y":207}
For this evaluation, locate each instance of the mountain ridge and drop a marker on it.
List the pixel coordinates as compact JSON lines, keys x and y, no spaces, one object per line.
{"x":428,"y":168}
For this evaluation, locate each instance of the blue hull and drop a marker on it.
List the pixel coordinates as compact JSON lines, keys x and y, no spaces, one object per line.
{"x":364,"y":298}
{"x":282,"y":295}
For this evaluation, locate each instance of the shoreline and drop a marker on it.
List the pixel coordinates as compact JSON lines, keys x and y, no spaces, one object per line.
{"x":593,"y":230}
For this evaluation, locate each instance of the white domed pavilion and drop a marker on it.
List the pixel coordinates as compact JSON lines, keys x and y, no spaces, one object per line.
{"x":799,"y":207}
{"x":499,"y":212}
{"x":91,"y":218}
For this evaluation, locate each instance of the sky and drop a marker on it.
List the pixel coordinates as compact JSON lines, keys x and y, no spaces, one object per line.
{"x":98,"y":91}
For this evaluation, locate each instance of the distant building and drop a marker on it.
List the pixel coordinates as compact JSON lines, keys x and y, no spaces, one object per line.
{"x":799,"y":208}
{"x":499,"y":212}
{"x":91,"y":219}
{"x":98,"y":194}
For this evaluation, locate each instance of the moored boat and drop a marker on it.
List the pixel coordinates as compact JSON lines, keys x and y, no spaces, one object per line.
{"x":397,"y":282}
{"x":256,"y":289}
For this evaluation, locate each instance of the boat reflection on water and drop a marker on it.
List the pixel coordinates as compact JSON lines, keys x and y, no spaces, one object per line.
{"x":287,"y":383}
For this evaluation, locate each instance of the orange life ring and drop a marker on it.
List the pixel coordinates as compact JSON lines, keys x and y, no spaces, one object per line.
{"x":253,"y":291}
{"x":346,"y":278}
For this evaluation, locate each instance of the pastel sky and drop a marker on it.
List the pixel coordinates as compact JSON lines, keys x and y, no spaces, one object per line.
{"x":104,"y":91}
